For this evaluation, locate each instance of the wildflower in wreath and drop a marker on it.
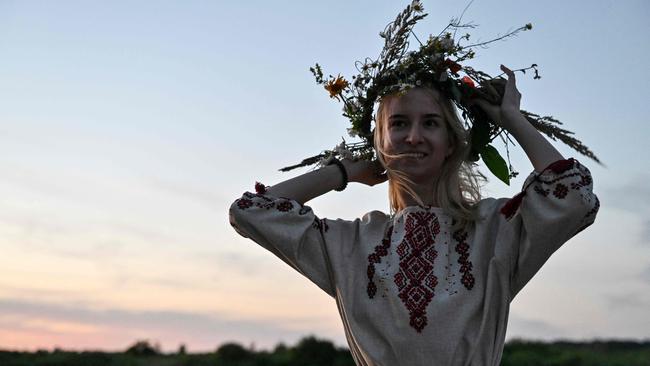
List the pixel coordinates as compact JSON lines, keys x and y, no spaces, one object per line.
{"x":336,"y":85}
{"x":440,"y":63}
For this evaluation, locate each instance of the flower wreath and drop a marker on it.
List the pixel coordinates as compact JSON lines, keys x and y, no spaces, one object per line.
{"x":437,"y":63}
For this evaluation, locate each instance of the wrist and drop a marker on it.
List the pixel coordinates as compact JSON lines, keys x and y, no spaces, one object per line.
{"x":342,"y":172}
{"x":350,"y":169}
{"x":512,"y":119}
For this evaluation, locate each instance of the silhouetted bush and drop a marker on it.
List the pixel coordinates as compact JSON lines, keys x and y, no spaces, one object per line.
{"x":233,"y":354}
{"x":143,"y":348}
{"x":311,"y":351}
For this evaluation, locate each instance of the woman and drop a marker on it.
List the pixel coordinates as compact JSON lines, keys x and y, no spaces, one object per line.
{"x":431,"y":283}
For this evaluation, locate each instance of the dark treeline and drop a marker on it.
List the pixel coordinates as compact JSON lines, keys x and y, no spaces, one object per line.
{"x":311,"y":351}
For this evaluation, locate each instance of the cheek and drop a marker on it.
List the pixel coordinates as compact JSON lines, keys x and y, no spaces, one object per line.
{"x":388,"y":148}
{"x":444,"y":139}
{"x":389,"y":141}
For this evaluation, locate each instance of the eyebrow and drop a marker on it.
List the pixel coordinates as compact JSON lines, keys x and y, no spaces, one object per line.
{"x":428,"y":115}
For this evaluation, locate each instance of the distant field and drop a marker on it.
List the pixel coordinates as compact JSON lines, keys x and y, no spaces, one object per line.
{"x":315,"y":352}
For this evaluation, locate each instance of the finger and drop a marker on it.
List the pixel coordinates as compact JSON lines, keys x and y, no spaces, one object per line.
{"x":486,"y":106}
{"x":511,"y":76}
{"x":512,"y":81}
{"x":508,"y":72}
{"x":492,"y":110}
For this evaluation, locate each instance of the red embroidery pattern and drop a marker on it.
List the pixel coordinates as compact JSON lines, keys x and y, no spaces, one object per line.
{"x":244,"y":203}
{"x":561,"y":166}
{"x":587,"y":220}
{"x":466,"y":266}
{"x":511,"y":207}
{"x":284,"y":206}
{"x":560,"y":190}
{"x":542,"y":191}
{"x":594,"y":209}
{"x":561,"y":177}
{"x":320,"y":225}
{"x":415,"y":279}
{"x":260,"y":188}
{"x":249,"y":200}
{"x":585,"y":180}
{"x":380,"y":251}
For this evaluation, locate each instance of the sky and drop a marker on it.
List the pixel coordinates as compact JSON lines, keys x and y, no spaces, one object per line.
{"x":128,"y":128}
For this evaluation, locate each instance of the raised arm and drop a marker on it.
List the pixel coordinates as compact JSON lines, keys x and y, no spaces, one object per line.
{"x":539,"y":151}
{"x":318,"y":182}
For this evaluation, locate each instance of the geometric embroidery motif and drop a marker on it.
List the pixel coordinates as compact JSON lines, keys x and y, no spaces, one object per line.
{"x":415,"y":280}
{"x":320,"y":225}
{"x":374,"y":258}
{"x":565,"y":172}
{"x":462,"y":248}
{"x":259,"y":200}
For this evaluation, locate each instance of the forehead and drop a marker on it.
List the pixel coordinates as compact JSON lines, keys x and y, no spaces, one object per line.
{"x":415,"y":102}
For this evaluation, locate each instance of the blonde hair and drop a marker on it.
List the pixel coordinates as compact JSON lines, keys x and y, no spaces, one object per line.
{"x":457,"y":188}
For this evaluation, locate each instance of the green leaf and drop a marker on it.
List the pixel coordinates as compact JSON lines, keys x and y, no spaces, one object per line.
{"x":480,"y":134}
{"x":455,"y":92}
{"x":495,"y":163}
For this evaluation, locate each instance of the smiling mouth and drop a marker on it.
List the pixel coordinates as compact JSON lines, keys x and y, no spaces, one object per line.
{"x":414,"y":155}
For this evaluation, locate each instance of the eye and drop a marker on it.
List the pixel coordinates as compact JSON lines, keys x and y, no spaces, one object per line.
{"x":432,"y":122}
{"x":397,"y":123}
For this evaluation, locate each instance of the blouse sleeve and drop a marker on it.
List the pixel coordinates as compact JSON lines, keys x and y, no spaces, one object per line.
{"x":287,"y":229}
{"x":553,"y":206}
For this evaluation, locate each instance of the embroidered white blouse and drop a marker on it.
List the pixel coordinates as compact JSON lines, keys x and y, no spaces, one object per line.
{"x":409,"y":289}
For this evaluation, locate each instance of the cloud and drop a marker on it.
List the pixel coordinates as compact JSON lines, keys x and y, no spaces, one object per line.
{"x":200,"y":330}
{"x":140,"y":233}
{"x":645,"y":232}
{"x":629,"y":300}
{"x":30,"y":226}
{"x":520,"y":327}
{"x":17,"y":176}
{"x":645,"y":275}
{"x":627,"y":313}
{"x":630,"y":195}
{"x":101,"y":239}
{"x":246,"y":265}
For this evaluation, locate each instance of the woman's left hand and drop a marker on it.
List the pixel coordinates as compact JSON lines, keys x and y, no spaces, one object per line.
{"x":509,"y":110}
{"x":363,"y":171}
{"x":508,"y":115}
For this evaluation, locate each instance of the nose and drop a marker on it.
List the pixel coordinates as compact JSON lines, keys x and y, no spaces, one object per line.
{"x":414,"y":135}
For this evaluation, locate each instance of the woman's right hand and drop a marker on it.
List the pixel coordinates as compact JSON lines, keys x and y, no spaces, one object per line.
{"x":365,"y":172}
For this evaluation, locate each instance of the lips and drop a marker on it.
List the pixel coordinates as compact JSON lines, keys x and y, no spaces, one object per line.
{"x":413,"y":155}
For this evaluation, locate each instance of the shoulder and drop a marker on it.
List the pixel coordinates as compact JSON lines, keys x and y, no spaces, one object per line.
{"x":368,"y":223}
{"x":369,"y":218}
{"x":374,"y":217}
{"x":489,"y":207}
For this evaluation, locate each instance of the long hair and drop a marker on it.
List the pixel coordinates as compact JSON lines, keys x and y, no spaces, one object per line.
{"x":457,"y":188}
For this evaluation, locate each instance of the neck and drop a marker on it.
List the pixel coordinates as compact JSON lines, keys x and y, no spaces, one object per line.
{"x":426,"y":193}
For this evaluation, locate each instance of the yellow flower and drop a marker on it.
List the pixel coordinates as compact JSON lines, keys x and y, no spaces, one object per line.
{"x":335,"y":86}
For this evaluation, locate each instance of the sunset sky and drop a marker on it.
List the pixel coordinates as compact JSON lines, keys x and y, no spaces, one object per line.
{"x":127,"y":128}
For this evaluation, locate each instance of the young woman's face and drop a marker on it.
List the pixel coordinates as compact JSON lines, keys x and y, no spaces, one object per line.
{"x":416,"y":131}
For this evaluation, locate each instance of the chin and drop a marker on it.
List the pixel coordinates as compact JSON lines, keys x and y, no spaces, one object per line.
{"x":420,"y":175}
